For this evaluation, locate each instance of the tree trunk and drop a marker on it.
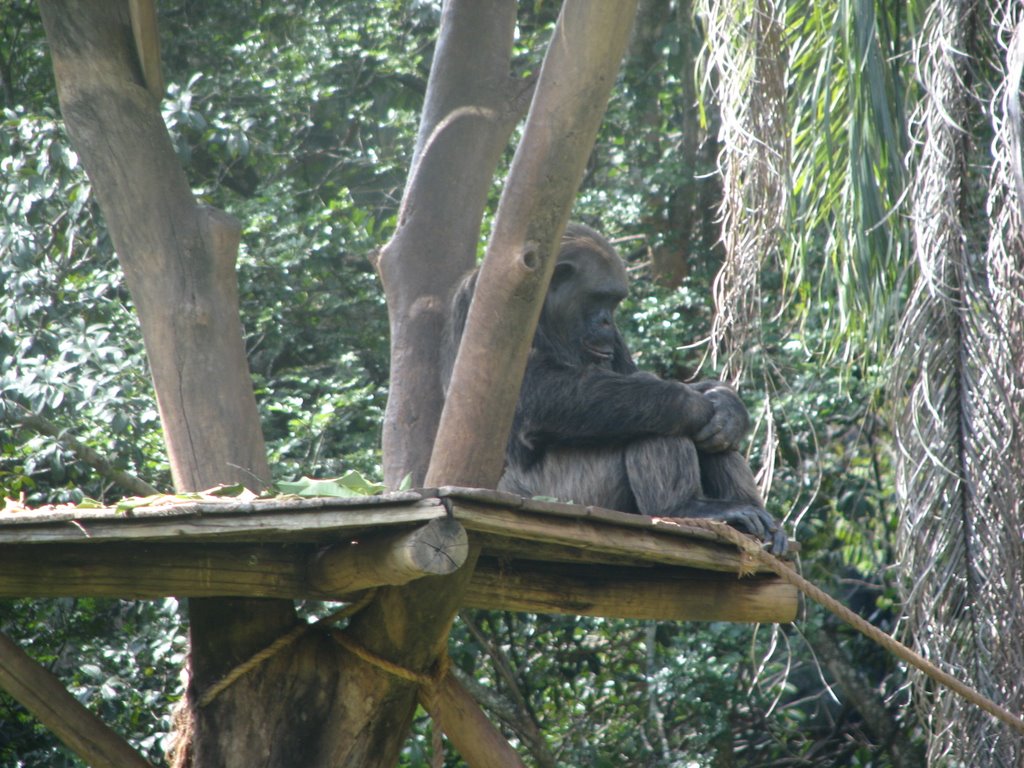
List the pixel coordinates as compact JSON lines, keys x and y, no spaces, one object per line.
{"x":575,"y":80}
{"x":472,"y":105}
{"x":178,"y":256}
{"x":179,"y":263}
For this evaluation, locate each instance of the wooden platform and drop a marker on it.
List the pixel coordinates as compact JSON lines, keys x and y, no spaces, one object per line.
{"x":536,"y":556}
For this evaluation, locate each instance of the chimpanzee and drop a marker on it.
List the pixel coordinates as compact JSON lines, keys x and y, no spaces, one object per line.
{"x":591,"y":428}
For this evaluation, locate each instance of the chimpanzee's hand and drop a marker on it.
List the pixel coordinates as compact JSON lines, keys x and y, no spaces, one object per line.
{"x":730,"y":422}
{"x":758,"y":523}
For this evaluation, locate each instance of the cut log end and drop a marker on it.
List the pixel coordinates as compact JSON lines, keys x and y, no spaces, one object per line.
{"x":438,"y":548}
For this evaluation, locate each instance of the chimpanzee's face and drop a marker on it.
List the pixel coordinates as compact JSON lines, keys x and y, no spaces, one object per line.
{"x":588,"y":283}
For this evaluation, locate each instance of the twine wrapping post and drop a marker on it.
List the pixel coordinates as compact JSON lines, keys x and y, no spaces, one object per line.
{"x":421,"y":679}
{"x":427,"y":684}
{"x":452,"y":709}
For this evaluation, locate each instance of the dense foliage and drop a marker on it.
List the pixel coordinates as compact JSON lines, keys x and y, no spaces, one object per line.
{"x":298,"y":118}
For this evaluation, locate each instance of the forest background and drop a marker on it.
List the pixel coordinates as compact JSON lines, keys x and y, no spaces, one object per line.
{"x":866,"y":242}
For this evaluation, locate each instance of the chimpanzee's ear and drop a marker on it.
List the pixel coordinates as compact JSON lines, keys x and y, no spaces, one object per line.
{"x":564,"y":272}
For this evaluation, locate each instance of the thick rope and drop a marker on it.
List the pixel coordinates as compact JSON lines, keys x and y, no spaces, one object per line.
{"x":750,"y":547}
{"x":280,"y":644}
{"x":427,"y":682}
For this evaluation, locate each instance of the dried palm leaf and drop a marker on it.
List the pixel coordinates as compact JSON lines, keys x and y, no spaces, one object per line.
{"x":744,"y":48}
{"x":959,"y":353}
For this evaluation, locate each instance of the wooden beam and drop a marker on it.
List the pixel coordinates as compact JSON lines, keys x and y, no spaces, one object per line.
{"x":478,"y":742}
{"x":143,"y":570}
{"x":435,"y":549}
{"x":668,"y":594}
{"x":127,"y":569}
{"x":42,"y":694}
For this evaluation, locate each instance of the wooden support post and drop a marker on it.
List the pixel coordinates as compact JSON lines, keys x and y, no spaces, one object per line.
{"x":479,"y":743}
{"x":42,"y":694}
{"x":435,"y":549}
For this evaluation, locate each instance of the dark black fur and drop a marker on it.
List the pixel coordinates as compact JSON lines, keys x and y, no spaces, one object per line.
{"x":590,"y":428}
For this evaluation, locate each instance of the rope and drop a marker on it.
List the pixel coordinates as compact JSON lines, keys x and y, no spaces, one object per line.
{"x":278,"y":645}
{"x":750,"y":547}
{"x":427,"y":684}
{"x":422,"y":679}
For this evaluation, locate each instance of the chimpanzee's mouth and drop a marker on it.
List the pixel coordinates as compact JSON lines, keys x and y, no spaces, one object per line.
{"x":601,"y":354}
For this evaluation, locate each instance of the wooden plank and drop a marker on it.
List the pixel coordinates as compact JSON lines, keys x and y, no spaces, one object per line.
{"x":215,"y":521}
{"x":600,"y":535}
{"x":142,"y":570}
{"x":668,"y":594}
{"x":173,"y":506}
{"x":557,"y":509}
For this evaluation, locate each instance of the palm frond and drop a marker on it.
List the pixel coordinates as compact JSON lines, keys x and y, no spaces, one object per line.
{"x":959,"y":352}
{"x":849,"y":177}
{"x":744,"y":47}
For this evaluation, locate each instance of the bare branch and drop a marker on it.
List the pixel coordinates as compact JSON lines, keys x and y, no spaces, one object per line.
{"x":16,"y":414}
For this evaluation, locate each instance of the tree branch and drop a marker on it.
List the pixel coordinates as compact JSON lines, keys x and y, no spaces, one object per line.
{"x":17,"y":414}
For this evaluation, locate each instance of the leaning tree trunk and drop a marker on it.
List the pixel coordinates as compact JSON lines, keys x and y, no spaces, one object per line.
{"x":576,"y":78}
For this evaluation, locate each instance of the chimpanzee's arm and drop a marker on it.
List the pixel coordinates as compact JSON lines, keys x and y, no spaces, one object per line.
{"x":568,"y":405}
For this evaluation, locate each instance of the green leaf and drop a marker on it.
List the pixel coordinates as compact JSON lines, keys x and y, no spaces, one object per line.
{"x":357,"y":482}
{"x":227,"y":490}
{"x":349,"y":485}
{"x":130,"y":503}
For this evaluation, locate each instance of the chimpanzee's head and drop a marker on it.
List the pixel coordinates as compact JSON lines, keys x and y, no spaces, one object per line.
{"x":588,"y":283}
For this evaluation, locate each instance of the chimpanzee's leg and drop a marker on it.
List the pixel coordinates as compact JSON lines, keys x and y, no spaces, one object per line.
{"x":665,"y":476}
{"x":591,"y":476}
{"x":727,"y":475}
